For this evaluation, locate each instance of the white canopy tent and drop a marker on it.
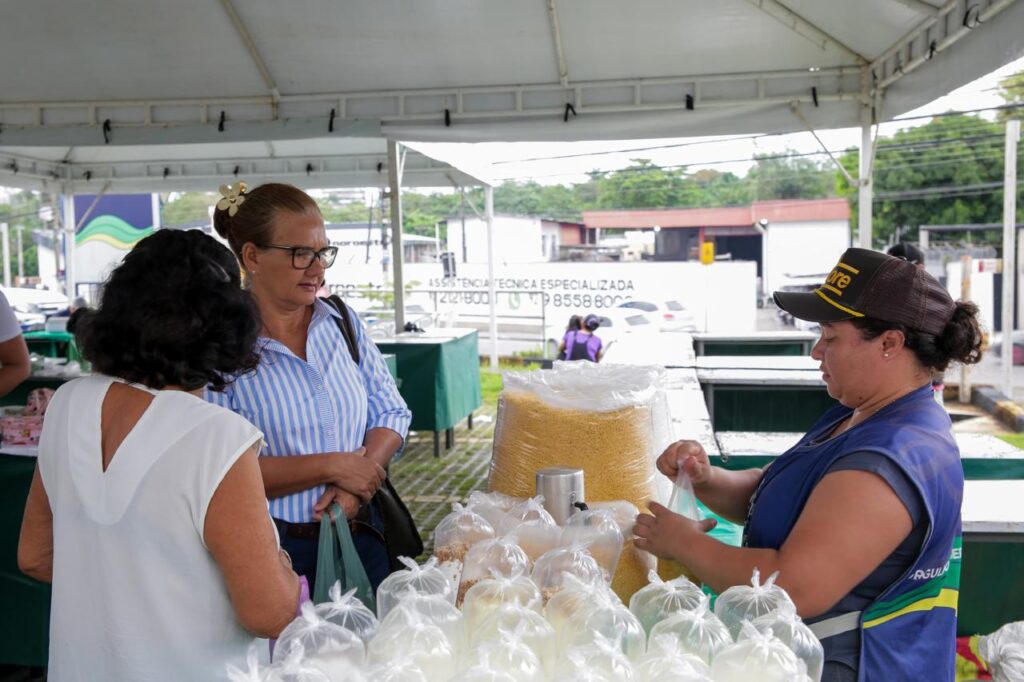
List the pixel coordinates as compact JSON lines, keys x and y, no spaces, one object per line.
{"x":153,"y":76}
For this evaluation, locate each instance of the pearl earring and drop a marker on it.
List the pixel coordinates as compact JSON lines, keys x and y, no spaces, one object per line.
{"x":885,"y":355}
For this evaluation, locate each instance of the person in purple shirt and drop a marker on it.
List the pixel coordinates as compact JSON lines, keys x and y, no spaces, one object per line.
{"x":584,"y":344}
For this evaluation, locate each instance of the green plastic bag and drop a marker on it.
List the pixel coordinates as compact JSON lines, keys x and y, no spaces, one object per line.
{"x":338,"y":560}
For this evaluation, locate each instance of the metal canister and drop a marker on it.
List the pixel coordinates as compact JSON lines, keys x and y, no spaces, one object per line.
{"x":562,"y":489}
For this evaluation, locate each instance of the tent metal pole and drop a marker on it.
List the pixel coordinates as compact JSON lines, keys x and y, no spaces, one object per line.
{"x":865,"y":189}
{"x":70,"y":223}
{"x":7,"y":253}
{"x":491,"y":293}
{"x":1009,"y":251}
{"x":395,"y":181}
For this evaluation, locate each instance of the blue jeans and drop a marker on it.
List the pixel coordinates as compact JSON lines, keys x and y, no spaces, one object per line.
{"x":369,"y":544}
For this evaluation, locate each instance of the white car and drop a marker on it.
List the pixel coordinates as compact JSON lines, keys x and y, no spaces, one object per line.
{"x":671,"y":316}
{"x":615,"y":323}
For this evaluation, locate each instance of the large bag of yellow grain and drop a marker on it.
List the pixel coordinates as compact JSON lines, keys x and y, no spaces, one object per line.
{"x":611,"y":421}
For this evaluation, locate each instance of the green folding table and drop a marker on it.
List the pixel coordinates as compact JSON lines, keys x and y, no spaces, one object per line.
{"x":439,"y":377}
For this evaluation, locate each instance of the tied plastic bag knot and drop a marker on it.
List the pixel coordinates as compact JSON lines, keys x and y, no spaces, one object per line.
{"x":348,"y":612}
{"x":669,"y":662}
{"x":757,"y":656}
{"x":600,"y":659}
{"x":661,"y":599}
{"x":327,"y":647}
{"x":611,"y":623}
{"x":510,"y":654}
{"x":748,"y":602}
{"x":491,"y":506}
{"x":458,"y":532}
{"x":492,"y":593}
{"x":425,"y":579}
{"x":698,"y":632}
{"x":295,"y":668}
{"x":254,"y":672}
{"x":502,"y":555}
{"x":426,"y":608}
{"x":550,"y":570}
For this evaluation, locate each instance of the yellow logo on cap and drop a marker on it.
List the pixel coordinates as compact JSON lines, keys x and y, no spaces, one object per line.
{"x":839,"y":279}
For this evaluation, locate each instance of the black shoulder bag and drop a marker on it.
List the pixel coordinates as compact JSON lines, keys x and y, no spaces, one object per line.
{"x":401,"y":536}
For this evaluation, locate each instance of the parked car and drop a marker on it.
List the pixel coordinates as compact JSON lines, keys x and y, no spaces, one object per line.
{"x":615,"y":324}
{"x":33,"y":306}
{"x":671,"y":316}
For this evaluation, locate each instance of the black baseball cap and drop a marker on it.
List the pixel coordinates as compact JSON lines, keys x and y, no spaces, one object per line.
{"x":867,"y":283}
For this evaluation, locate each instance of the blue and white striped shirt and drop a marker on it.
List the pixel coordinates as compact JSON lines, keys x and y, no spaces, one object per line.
{"x":322,"y":404}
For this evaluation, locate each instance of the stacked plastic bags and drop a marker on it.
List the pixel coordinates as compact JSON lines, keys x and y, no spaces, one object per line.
{"x":507,"y":632}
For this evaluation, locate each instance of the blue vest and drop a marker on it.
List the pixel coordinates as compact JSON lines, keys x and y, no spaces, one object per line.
{"x":909,"y":631}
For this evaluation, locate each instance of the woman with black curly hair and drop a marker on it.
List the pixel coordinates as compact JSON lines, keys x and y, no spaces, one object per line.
{"x":147,"y":512}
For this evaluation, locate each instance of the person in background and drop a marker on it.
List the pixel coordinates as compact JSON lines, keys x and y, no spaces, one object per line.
{"x":14,"y":363}
{"x":147,"y":511}
{"x":585,"y":344}
{"x":332,"y":425}
{"x":912,"y":254}
{"x":79,"y":307}
{"x":575,"y":324}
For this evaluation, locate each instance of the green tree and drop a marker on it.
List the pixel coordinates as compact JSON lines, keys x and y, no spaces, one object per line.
{"x":187,"y":207}
{"x":1011,"y":89}
{"x":21,"y":213}
{"x":789,"y":177}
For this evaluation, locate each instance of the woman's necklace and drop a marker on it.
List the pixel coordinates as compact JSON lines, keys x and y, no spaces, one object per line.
{"x":848,"y":424}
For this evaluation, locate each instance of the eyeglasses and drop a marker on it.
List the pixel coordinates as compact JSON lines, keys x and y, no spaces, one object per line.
{"x":303,"y":256}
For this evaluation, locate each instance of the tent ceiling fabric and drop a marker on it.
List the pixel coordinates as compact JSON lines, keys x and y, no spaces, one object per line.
{"x":151,"y":79}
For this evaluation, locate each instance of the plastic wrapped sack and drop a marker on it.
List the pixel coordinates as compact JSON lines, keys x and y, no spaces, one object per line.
{"x":614,"y":623}
{"x":424,"y":644}
{"x":669,"y":663}
{"x":602,"y":659}
{"x":254,"y":672}
{"x":501,"y":555}
{"x":598,"y":531}
{"x":489,"y":595}
{"x":661,"y":599}
{"x":1003,"y":650}
{"x":425,"y":579}
{"x":509,"y":654}
{"x":564,"y":610}
{"x":327,"y":647}
{"x":550,"y":570}
{"x":398,"y":669}
{"x":428,"y":609}
{"x":492,"y":506}
{"x":347,"y":611}
{"x":458,"y":531}
{"x":698,"y":632}
{"x":743,"y":602}
{"x":756,"y":656}
{"x":544,"y":415}
{"x":534,"y":630}
{"x":786,"y":625}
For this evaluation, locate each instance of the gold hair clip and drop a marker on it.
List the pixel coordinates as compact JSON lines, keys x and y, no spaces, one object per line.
{"x":233,"y":195}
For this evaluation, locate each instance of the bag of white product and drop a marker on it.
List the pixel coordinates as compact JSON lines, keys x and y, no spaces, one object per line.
{"x":489,"y":595}
{"x":501,"y":555}
{"x":661,"y":599}
{"x":534,"y":629}
{"x":430,"y":609}
{"x":398,"y":669}
{"x":598,"y":531}
{"x":550,"y":570}
{"x":458,"y":531}
{"x":327,"y":647}
{"x":294,"y":667}
{"x":698,"y":632}
{"x":748,"y":602}
{"x":422,"y":643}
{"x":345,"y":610}
{"x":614,"y":623}
{"x":509,"y":654}
{"x":786,"y":625}
{"x":1003,"y":650}
{"x":564,"y":609}
{"x":492,"y":506}
{"x":668,"y":662}
{"x":601,"y":659}
{"x":425,"y":579}
{"x":254,"y":672}
{"x":756,"y":656}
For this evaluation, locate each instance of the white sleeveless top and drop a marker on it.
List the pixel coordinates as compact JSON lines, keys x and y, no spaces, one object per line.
{"x":136,"y":594}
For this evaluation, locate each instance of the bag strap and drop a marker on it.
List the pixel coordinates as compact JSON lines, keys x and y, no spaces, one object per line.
{"x":837,"y":625}
{"x":345,"y":325}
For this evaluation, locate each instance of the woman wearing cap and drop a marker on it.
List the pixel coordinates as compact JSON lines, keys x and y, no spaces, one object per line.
{"x":332,"y":425}
{"x":862,"y":516}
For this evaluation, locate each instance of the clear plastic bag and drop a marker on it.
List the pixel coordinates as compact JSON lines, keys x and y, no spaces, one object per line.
{"x":533,"y":628}
{"x":748,"y":602}
{"x":425,"y":579}
{"x":576,"y":596}
{"x":398,"y":669}
{"x":683,"y":500}
{"x":327,"y":647}
{"x":669,"y":663}
{"x":254,"y":672}
{"x":598,"y":531}
{"x":479,"y":673}
{"x":492,"y":506}
{"x":786,"y":625}
{"x":489,"y":595}
{"x":501,"y":555}
{"x":661,"y":599}
{"x":1003,"y":650}
{"x":424,"y":644}
{"x":530,"y":510}
{"x":550,"y":570}
{"x":347,"y":611}
{"x":614,"y":623}
{"x":536,"y":538}
{"x":511,"y":655}
{"x":601,"y":659}
{"x":294,"y":667}
{"x":458,"y":531}
{"x":430,"y":609}
{"x":756,"y":656}
{"x":698,"y":632}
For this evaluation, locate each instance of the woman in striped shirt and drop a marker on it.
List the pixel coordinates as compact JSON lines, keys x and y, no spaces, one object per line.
{"x":332,"y":426}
